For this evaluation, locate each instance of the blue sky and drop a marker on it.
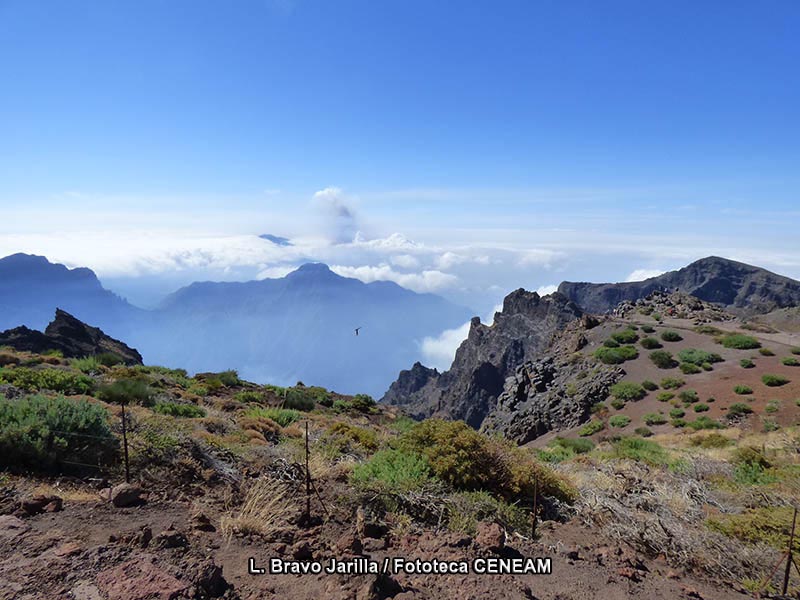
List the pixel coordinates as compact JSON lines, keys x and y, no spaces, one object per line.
{"x":507,"y":143}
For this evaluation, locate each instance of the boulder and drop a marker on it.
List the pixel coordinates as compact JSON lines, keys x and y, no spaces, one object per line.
{"x":39,"y":503}
{"x":490,"y":535}
{"x":140,"y":578}
{"x":126,"y":494}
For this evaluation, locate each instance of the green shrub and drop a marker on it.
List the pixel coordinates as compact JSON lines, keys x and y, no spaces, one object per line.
{"x":394,"y":471}
{"x":740,"y":341}
{"x":790,"y":361}
{"x":739,"y":409}
{"x":656,"y":316}
{"x":619,"y":421}
{"x":38,"y":433}
{"x":610,"y":344}
{"x":617,"y":404}
{"x":654,"y":419}
{"x":677,"y":413}
{"x":591,"y":428}
{"x":708,"y":330}
{"x":766,"y":352}
{"x":700,"y":408}
{"x":282,"y":416}
{"x":769,"y":425}
{"x":638,"y":449}
{"x":672,"y":383}
{"x":704,"y":422}
{"x":627,"y":390}
{"x":663,"y":359}
{"x":340,"y":438}
{"x":689,"y":369}
{"x":689,"y":396}
{"x":468,"y":460}
{"x":34,"y":380}
{"x":127,"y":391}
{"x":665,"y":396}
{"x":742,"y":390}
{"x":362,"y":403}
{"x":795,"y":350}
{"x":746,"y":363}
{"x":298,"y":399}
{"x":678,"y":422}
{"x":88,"y":365}
{"x":248,"y":396}
{"x":648,"y":329}
{"x":671,"y":336}
{"x":698,"y":357}
{"x":229,"y":378}
{"x":774,"y":380}
{"x":650,"y":343}
{"x":772,"y":406}
{"x":577,"y":445}
{"x":650,"y":386}
{"x":616,"y":356}
{"x":109,"y":359}
{"x":767,"y":525}
{"x":643,"y":431}
{"x":707,"y":366}
{"x":626,"y":336}
{"x":175,"y":409}
{"x":712,"y":440}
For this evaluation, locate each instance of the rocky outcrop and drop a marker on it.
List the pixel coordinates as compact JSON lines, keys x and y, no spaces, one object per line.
{"x":72,"y":337}
{"x":549,"y":395}
{"x":526,"y":327}
{"x":737,"y":286}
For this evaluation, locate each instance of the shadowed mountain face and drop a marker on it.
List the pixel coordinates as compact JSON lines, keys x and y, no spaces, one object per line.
{"x":300,"y":327}
{"x":469,"y":390}
{"x":740,"y":287}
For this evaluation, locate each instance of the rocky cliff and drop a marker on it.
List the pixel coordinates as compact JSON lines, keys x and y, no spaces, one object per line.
{"x":737,"y":286}
{"x":525,"y":327}
{"x":72,"y":337}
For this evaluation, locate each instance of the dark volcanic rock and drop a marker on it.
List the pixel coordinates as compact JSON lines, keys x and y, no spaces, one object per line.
{"x":526,"y":326}
{"x":72,"y":337}
{"x":737,"y":286}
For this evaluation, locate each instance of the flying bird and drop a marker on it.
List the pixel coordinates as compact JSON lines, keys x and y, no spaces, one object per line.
{"x":357,"y":328}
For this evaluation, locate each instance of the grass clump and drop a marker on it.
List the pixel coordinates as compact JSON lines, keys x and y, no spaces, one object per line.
{"x":628,"y":391}
{"x":650,"y":386}
{"x":795,"y":350}
{"x":708,"y":330}
{"x":175,"y":409}
{"x":282,"y":416}
{"x":698,"y":357}
{"x":127,"y":391}
{"x":576,"y":445}
{"x":591,"y":428}
{"x":698,"y":408}
{"x":790,"y":361}
{"x":709,"y":441}
{"x":643,"y":432}
{"x":616,"y":356}
{"x":638,"y":449}
{"x":663,"y":359}
{"x":617,"y":404}
{"x":650,"y":343}
{"x":740,"y":341}
{"x":764,"y":525}
{"x":772,"y":406}
{"x":267,"y":505}
{"x":739,"y":409}
{"x":665,"y":396}
{"x":746,"y":363}
{"x":774,"y":380}
{"x":672,"y":383}
{"x":38,"y":433}
{"x":688,"y":397}
{"x":341,"y":437}
{"x":766,"y":352}
{"x":671,"y":336}
{"x":704,"y":422}
{"x":619,"y":421}
{"x":690,"y":368}
{"x":742,"y":390}
{"x":677,"y":413}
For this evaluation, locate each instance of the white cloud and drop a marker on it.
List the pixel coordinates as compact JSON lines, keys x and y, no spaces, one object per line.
{"x":545,"y":290}
{"x":439,"y":351}
{"x":405,"y":261}
{"x":340,"y":215}
{"x":425,"y":281}
{"x":642,"y":274}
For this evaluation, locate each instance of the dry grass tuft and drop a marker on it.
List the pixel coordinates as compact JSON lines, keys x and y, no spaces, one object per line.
{"x":267,"y":505}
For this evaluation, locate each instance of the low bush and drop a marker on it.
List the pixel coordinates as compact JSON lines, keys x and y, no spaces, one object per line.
{"x":591,"y":428}
{"x":795,"y":350}
{"x":671,"y":336}
{"x":672,"y":383}
{"x":109,"y":359}
{"x":742,"y":390}
{"x":708,"y":330}
{"x":175,"y":409}
{"x":634,"y":448}
{"x":34,"y":380}
{"x":698,"y":357}
{"x":766,"y":352}
{"x":38,"y":433}
{"x":617,"y":404}
{"x":654,"y":419}
{"x":341,"y":437}
{"x":677,"y":413}
{"x":650,"y":386}
{"x":626,"y":336}
{"x":648,"y":329}
{"x":577,"y":445}
{"x":769,"y":425}
{"x":650,"y":343}
{"x":678,"y":422}
{"x":704,"y":422}
{"x":663,"y":359}
{"x":740,"y":341}
{"x":772,"y":406}
{"x":627,"y":390}
{"x":88,"y":365}
{"x":711,"y":440}
{"x":619,"y":421}
{"x":746,"y":363}
{"x":738,"y":409}
{"x":790,"y":361}
{"x":766,"y":525}
{"x":127,"y":391}
{"x":689,"y":396}
{"x":248,"y":396}
{"x":698,"y":408}
{"x":665,"y":396}
{"x":611,"y":343}
{"x":689,"y":369}
{"x":643,"y":431}
{"x":774,"y":380}
{"x":616,"y":356}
